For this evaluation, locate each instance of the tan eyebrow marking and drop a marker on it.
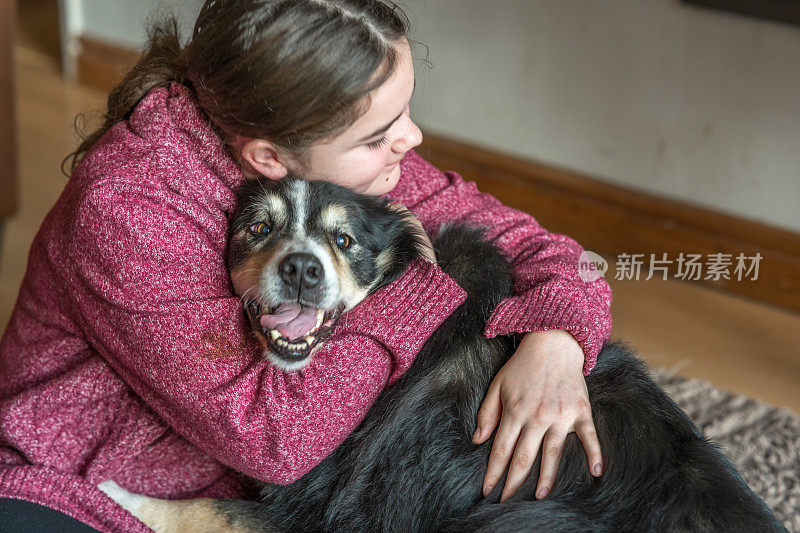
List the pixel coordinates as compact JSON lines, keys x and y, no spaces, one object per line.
{"x":276,"y":207}
{"x":334,"y":218}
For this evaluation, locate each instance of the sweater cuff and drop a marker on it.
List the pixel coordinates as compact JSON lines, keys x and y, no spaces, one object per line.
{"x":403,"y":314}
{"x":554,"y":305}
{"x":69,"y":494}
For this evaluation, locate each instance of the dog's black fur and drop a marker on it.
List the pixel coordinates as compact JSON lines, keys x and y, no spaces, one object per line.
{"x":411,"y":464}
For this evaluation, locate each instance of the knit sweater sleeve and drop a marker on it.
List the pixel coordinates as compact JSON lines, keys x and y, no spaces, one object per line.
{"x":548,"y":292}
{"x":153,"y":297}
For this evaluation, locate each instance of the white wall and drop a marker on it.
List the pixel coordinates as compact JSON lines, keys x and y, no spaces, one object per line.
{"x":123,"y":22}
{"x":697,"y":105}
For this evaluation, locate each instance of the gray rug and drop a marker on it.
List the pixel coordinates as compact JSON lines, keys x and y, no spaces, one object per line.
{"x":762,"y":441}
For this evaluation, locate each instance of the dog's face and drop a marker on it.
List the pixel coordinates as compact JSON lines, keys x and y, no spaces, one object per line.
{"x":302,"y":253}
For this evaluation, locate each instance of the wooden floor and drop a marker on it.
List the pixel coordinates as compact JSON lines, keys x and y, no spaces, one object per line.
{"x":737,"y":344}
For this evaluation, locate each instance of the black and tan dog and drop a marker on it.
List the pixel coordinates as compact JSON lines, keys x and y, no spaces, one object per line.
{"x":303,"y":253}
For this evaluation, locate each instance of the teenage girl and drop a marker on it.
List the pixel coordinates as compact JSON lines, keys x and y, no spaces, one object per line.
{"x":128,"y":356}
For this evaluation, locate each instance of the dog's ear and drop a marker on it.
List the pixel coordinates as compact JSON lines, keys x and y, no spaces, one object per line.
{"x":407,"y":233}
{"x":401,"y":241}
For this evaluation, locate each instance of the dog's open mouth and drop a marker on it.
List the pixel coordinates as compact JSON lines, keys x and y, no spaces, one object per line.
{"x":292,"y":330}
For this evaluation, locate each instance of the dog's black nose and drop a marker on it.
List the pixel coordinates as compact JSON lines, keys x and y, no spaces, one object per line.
{"x":301,"y":271}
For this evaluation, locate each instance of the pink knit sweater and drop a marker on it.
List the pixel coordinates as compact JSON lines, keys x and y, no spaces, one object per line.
{"x":128,"y":357}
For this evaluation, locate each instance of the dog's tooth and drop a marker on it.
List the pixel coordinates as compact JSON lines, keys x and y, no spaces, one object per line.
{"x":282,"y":342}
{"x":320,"y":318}
{"x":274,"y":334}
{"x":298,"y":346}
{"x":310,"y":339}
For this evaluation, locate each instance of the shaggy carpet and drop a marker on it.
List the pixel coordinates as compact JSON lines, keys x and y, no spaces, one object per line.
{"x":762,"y":441}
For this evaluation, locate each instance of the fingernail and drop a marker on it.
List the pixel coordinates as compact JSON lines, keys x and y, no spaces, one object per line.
{"x":542,"y":493}
{"x":477,"y":433}
{"x":487,"y":490}
{"x":598,"y":469}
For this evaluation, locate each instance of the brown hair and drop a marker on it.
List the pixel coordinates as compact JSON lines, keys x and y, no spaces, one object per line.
{"x":291,"y":71}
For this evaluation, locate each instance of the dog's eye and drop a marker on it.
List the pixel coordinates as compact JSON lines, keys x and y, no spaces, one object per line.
{"x":260,"y":228}
{"x":343,"y":241}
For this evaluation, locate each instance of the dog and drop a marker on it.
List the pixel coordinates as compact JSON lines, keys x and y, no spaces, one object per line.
{"x":302,"y":254}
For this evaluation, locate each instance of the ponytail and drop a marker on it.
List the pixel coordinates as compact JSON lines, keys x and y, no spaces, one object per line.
{"x":163,"y":62}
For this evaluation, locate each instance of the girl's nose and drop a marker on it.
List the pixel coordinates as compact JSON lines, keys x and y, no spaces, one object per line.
{"x":410,"y":137}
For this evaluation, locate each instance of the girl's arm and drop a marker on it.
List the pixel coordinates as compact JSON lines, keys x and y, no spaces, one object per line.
{"x":548,"y":292}
{"x":153,"y":295}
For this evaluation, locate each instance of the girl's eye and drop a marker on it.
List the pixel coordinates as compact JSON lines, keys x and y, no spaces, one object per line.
{"x":261,"y":229}
{"x":343,"y":241}
{"x":374,"y":145}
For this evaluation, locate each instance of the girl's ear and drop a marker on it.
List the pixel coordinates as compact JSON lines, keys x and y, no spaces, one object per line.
{"x":259,"y":157}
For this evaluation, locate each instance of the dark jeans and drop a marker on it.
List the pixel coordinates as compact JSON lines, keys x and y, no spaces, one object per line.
{"x":18,"y":516}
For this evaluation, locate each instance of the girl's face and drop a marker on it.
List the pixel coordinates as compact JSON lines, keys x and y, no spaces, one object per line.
{"x":365,"y":157}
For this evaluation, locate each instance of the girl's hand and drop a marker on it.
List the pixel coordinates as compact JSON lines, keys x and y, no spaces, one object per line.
{"x":539,"y":394}
{"x":426,"y":241}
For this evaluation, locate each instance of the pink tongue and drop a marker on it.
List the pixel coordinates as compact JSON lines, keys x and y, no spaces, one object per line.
{"x":291,"y":320}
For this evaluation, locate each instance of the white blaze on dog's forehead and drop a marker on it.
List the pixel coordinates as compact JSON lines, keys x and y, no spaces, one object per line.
{"x":299,"y":199}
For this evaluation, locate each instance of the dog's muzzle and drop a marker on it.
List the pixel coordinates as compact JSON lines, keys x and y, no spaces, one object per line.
{"x":291,"y":317}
